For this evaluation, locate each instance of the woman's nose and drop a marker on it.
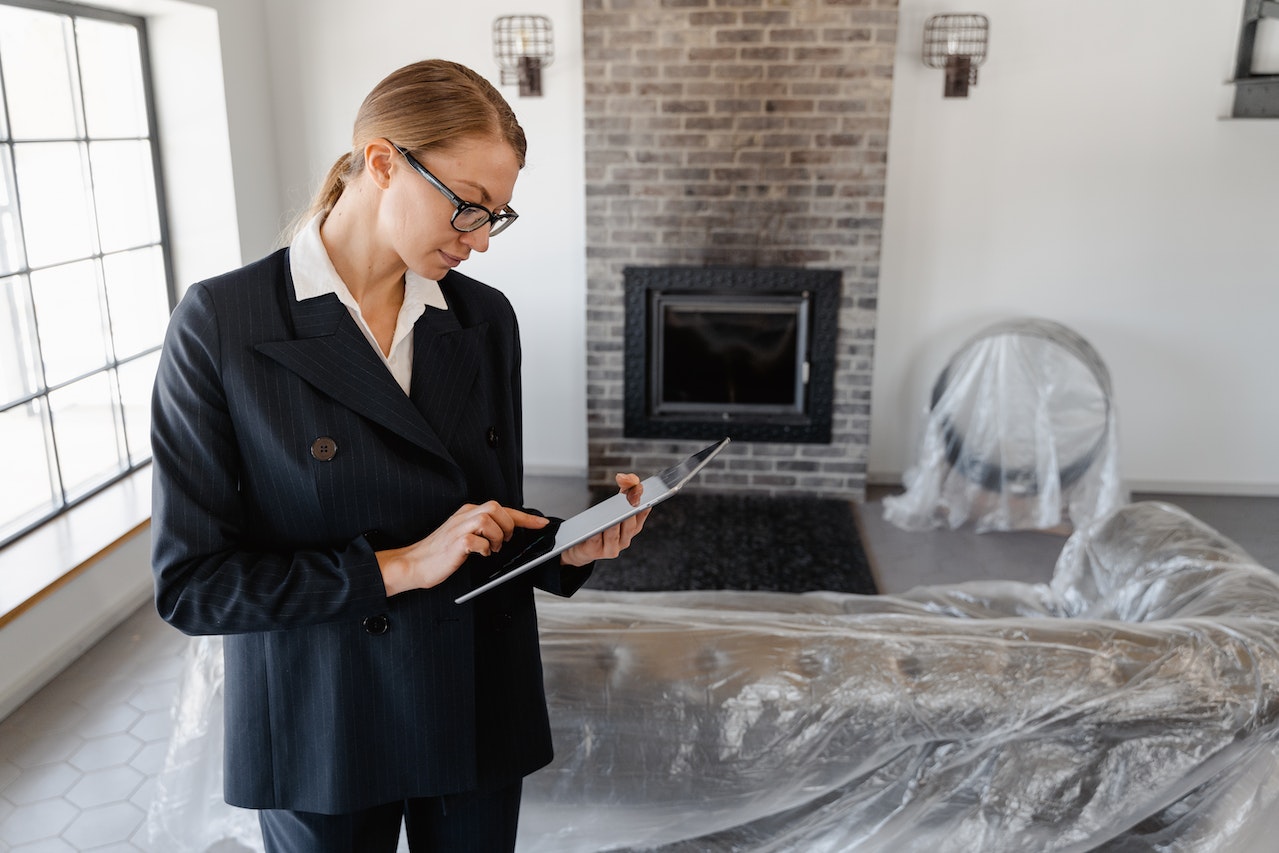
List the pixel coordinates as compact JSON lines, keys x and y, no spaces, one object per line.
{"x":478,"y":239}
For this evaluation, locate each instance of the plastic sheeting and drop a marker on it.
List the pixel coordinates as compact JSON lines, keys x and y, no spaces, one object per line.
{"x":1130,"y":704}
{"x":1020,"y":434}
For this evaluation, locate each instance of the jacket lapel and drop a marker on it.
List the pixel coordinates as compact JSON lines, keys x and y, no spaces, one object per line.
{"x":333,"y":355}
{"x":446,"y":358}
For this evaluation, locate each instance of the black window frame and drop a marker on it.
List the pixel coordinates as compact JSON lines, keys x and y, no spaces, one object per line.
{"x":134,"y":459}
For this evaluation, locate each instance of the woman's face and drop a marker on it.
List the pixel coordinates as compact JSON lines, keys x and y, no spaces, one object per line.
{"x":479,"y":170}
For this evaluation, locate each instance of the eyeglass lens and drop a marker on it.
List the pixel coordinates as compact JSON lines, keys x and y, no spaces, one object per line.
{"x":470,"y":217}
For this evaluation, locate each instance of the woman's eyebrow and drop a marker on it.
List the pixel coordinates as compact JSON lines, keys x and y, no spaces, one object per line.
{"x":485,"y":198}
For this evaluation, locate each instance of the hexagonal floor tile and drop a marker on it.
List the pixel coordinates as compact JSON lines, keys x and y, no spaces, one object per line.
{"x":113,"y":785}
{"x":103,"y":752}
{"x":38,"y":821}
{"x":41,"y":783}
{"x":103,"y":825}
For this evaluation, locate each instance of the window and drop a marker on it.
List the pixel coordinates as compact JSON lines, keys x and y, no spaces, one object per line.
{"x":85,"y":280}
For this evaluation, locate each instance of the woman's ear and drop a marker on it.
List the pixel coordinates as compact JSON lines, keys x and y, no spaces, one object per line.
{"x":379,"y":161}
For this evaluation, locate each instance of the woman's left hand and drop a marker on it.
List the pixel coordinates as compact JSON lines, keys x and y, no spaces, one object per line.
{"x":615,"y":540}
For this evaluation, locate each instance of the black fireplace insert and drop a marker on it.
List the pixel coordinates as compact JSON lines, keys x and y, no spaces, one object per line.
{"x":743,"y":352}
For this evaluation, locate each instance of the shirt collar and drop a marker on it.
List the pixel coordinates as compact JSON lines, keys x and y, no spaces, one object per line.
{"x":314,"y":274}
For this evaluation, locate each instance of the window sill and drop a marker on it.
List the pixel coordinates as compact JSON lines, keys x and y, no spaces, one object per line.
{"x":50,"y":556}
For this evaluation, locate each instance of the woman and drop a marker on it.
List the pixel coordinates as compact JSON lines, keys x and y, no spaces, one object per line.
{"x":337,"y":457}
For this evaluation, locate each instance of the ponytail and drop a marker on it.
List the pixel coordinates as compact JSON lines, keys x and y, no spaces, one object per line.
{"x":334,"y":182}
{"x":339,"y":174}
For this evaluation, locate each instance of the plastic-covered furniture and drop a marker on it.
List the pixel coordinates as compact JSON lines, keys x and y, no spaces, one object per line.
{"x":1131,"y":704}
{"x":1021,"y":433}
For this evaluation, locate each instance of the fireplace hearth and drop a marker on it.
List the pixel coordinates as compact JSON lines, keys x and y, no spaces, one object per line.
{"x":743,"y":352}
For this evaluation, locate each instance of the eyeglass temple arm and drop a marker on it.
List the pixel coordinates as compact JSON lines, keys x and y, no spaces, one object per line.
{"x":422,"y":170}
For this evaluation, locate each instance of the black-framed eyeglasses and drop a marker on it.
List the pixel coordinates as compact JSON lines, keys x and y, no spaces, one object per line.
{"x":467,"y":216}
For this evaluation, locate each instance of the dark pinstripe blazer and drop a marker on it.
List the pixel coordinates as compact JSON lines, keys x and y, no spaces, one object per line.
{"x":338,"y":698}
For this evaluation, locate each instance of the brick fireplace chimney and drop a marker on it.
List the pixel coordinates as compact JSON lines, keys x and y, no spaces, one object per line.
{"x":745,"y":134}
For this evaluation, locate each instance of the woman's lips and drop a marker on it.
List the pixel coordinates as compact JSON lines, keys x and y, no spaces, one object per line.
{"x":451,"y":260}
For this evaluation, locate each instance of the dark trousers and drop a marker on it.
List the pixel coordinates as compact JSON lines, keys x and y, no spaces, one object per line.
{"x":464,"y":823}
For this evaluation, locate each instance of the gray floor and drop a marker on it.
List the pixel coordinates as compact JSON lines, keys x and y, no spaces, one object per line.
{"x":903,"y":560}
{"x":78,"y":761}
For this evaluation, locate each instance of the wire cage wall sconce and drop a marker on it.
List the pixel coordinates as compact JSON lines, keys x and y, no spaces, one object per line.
{"x":956,"y":43}
{"x":523,"y":45}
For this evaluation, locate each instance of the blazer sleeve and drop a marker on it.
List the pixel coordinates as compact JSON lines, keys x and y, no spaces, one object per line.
{"x":563,"y":580}
{"x":208,"y":578}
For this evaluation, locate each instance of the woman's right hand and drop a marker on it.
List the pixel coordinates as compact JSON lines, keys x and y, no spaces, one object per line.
{"x":473,"y":529}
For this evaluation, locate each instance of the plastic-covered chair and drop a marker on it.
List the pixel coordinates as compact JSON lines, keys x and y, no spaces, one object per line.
{"x":1021,"y":434}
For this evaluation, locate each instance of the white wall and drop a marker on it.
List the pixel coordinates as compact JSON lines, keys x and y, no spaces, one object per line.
{"x":250,"y":129}
{"x":1089,"y":179}
{"x":327,"y":54}
{"x":217,"y":137}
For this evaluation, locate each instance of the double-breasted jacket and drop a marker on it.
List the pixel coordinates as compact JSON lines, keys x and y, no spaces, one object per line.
{"x":285,"y":454}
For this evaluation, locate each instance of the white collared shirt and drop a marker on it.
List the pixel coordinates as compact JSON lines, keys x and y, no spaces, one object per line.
{"x":314,"y":275}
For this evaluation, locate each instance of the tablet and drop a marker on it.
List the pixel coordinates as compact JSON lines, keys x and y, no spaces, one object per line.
{"x":597,"y":519}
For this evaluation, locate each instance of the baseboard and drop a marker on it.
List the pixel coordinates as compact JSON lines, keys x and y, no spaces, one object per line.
{"x":1220,"y":488}
{"x":555,"y":471}
{"x":1215,"y":489}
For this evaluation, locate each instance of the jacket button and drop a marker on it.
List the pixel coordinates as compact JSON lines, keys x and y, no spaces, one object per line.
{"x":324,"y":448}
{"x":377,"y":625}
{"x":492,"y":437}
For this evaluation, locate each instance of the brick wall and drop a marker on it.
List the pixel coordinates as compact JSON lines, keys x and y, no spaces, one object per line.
{"x":737,"y":132}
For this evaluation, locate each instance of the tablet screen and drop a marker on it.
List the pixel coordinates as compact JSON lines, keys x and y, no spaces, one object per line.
{"x":557,"y":538}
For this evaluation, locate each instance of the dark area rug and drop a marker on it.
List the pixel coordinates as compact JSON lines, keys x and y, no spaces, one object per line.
{"x":743,"y":542}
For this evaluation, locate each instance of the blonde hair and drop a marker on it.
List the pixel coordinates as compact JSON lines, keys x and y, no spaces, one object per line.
{"x":421,"y":106}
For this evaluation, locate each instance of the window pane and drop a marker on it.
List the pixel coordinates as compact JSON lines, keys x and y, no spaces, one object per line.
{"x":38,"y":58}
{"x":124,"y":189}
{"x":69,"y":312}
{"x":87,"y":432}
{"x":138,"y":298}
{"x":84,"y":289}
{"x":114,"y":102}
{"x":136,"y":378}
{"x":56,"y":212}
{"x":27,"y":457}
{"x":1265,"y":47}
{"x":10,"y":224}
{"x":18,"y":374}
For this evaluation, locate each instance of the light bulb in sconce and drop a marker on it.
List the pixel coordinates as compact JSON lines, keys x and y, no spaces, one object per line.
{"x":523,"y":45}
{"x":956,"y":43}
